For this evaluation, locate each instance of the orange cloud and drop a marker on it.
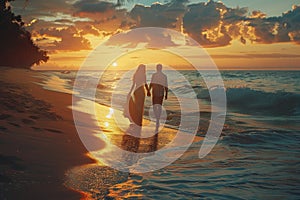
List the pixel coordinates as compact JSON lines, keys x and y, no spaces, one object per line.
{"x":70,"y":39}
{"x":212,"y":24}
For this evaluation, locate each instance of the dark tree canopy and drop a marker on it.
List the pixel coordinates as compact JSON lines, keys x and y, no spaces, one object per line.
{"x":16,"y":46}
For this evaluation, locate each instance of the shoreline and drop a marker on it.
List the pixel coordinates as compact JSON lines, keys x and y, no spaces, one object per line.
{"x":51,"y":127}
{"x":39,"y":141}
{"x":42,"y":157}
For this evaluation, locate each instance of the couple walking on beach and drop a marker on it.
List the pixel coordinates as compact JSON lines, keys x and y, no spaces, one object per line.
{"x":158,"y":89}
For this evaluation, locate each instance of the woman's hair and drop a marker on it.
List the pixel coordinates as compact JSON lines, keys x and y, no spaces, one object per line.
{"x":141,"y":70}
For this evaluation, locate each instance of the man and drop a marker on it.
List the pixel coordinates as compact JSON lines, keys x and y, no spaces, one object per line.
{"x":159,"y":86}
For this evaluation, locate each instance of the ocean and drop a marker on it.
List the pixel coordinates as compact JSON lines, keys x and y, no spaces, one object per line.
{"x":257,"y":155}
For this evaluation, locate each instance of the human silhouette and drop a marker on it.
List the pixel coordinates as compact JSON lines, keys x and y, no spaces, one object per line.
{"x":159,"y":87}
{"x":131,"y":141}
{"x":136,"y":101}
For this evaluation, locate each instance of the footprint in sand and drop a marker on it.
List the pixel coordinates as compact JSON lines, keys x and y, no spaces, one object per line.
{"x":4,"y":179}
{"x":14,"y":124}
{"x":36,"y":128}
{"x":34,"y":117}
{"x":12,"y":161}
{"x":4,"y":116}
{"x":2,"y":128}
{"x":28,"y":121}
{"x":53,"y":130}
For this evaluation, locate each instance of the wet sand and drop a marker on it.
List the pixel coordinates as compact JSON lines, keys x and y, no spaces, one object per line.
{"x":38,"y":139}
{"x":41,"y":154}
{"x":95,"y":180}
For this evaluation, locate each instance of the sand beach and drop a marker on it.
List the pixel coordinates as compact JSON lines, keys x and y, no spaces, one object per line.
{"x":38,"y":140}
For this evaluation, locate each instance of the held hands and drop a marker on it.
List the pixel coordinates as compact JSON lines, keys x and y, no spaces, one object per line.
{"x":128,"y":96}
{"x":148,"y":93}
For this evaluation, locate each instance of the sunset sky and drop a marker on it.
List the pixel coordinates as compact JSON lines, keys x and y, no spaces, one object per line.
{"x":237,"y":34}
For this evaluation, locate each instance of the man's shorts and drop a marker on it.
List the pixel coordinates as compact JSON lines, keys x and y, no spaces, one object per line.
{"x":157,"y":100}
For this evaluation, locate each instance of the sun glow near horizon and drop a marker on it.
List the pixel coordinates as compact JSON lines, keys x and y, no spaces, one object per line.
{"x":281,"y":56}
{"x":145,"y":56}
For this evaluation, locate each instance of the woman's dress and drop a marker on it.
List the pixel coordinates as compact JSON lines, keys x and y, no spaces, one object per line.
{"x":136,"y":102}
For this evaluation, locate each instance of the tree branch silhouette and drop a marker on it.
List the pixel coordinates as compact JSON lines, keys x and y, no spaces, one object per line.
{"x":17,"y":48}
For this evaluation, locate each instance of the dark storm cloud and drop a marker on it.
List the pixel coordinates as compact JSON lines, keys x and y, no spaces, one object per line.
{"x":104,"y":16}
{"x":93,"y":6}
{"x":212,"y":24}
{"x":285,"y":28}
{"x":202,"y":16}
{"x":38,"y":8}
{"x":234,"y":15}
{"x":100,"y":11}
{"x":159,"y":15}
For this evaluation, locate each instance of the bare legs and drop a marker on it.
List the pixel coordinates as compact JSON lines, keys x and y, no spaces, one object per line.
{"x":157,"y":108}
{"x":157,"y":112}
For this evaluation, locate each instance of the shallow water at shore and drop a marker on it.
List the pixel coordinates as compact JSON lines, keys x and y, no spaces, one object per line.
{"x":257,"y":156}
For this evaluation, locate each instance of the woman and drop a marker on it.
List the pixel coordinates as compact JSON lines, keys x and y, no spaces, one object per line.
{"x":136,"y":101}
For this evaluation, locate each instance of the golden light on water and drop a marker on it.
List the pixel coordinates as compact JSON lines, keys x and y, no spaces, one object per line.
{"x":110,"y":114}
{"x":126,"y":190}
